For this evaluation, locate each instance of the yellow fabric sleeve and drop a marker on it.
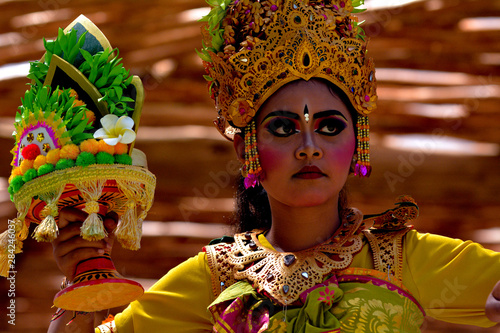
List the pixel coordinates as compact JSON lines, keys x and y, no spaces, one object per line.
{"x":450,"y":278}
{"x":176,"y":303}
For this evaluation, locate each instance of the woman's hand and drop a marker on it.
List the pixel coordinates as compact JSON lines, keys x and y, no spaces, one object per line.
{"x":70,"y":248}
{"x":493,"y":304}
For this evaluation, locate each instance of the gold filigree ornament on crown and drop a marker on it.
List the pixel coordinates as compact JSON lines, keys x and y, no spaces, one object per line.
{"x":253,"y":48}
{"x":75,"y":132}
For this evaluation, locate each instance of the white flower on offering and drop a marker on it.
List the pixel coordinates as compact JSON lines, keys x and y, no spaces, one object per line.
{"x":116,"y":130}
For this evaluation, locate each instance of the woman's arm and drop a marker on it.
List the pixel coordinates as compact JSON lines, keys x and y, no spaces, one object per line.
{"x":69,"y":249}
{"x":454,"y":285}
{"x":493,"y":304}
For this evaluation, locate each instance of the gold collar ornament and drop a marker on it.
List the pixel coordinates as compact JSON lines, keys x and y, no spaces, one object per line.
{"x":284,"y":276}
{"x":252,"y":48}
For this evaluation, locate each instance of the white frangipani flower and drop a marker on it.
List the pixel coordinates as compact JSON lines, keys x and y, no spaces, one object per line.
{"x":116,"y":130}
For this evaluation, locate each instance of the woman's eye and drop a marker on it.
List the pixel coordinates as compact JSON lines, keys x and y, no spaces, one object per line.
{"x":331,"y":126}
{"x":282,"y":127}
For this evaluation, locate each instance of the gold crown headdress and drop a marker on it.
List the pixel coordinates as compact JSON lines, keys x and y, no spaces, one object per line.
{"x":252,"y":48}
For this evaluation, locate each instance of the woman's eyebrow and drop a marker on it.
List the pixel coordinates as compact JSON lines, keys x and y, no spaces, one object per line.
{"x":328,"y":113}
{"x":286,"y":114}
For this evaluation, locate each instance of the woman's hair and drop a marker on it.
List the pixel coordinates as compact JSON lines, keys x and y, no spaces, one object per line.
{"x":252,"y":208}
{"x":252,"y":204}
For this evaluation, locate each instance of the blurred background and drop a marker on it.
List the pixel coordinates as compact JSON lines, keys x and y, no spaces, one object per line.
{"x":435,"y":135}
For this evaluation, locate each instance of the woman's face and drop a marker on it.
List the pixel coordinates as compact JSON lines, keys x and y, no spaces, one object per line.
{"x":305,"y":163}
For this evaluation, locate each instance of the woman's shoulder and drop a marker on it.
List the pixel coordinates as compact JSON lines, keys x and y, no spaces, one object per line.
{"x":418,"y":242}
{"x":193,"y":271}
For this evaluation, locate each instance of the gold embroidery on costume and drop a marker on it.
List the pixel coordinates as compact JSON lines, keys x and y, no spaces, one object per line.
{"x":366,"y":300}
{"x":386,"y":235}
{"x":222,"y":272}
{"x":387,"y":251}
{"x":284,"y":276}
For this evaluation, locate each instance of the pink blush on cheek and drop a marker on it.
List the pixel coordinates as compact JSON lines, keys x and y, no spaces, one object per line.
{"x":342,"y":156}
{"x":271,"y":159}
{"x":346,"y":153}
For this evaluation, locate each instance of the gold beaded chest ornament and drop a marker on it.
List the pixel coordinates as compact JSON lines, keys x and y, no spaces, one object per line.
{"x":252,"y":48}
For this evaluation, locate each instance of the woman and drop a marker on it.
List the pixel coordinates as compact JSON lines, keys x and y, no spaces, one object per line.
{"x":294,"y":79}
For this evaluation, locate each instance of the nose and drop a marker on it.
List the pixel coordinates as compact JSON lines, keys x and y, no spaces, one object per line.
{"x":308,"y":149}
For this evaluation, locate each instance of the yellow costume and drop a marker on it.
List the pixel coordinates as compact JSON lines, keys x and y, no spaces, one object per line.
{"x":449,"y":280}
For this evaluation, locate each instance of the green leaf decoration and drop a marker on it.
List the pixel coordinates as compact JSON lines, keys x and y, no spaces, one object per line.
{"x":103,"y":69}
{"x":356,"y":25}
{"x":81,"y":137}
{"x":214,"y":19}
{"x":110,"y":78}
{"x":66,"y":46}
{"x":59,"y":102}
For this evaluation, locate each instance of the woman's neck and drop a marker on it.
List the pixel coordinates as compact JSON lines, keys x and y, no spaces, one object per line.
{"x":298,"y":228}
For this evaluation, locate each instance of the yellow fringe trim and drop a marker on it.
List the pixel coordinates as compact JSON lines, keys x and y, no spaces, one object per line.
{"x":127,"y":232}
{"x":7,"y":242}
{"x":136,"y":183}
{"x":47,"y":231}
{"x":4,"y":265}
{"x":52,"y":181}
{"x":9,"y":245}
{"x":22,"y":226}
{"x":93,"y":227}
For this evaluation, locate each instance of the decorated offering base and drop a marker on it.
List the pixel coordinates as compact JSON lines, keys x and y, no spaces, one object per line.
{"x":97,"y":286}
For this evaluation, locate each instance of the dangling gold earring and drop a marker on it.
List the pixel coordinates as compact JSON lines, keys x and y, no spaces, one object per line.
{"x":252,"y":169}
{"x":363,"y":167}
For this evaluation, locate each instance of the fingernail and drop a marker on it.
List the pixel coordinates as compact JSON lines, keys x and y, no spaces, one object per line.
{"x":100,"y":251}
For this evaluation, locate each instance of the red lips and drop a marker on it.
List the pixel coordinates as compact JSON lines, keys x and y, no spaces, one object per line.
{"x":309,"y":172}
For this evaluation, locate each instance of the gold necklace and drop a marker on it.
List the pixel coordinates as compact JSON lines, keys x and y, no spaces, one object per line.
{"x":286,"y":275}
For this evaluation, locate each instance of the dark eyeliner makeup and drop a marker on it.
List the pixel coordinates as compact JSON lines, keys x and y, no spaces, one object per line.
{"x":281,"y":126}
{"x":330,"y":126}
{"x":281,"y":123}
{"x":330,"y":122}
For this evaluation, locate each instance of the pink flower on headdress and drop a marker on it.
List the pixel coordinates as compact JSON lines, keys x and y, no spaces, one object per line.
{"x":269,"y":7}
{"x":370,"y":102}
{"x":330,"y":19}
{"x":241,"y":112}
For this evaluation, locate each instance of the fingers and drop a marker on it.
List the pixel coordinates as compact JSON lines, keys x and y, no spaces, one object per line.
{"x":70,"y":248}
{"x":63,"y":248}
{"x":70,"y":222}
{"x":68,"y":215}
{"x":492,"y":308}
{"x":110,"y":222}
